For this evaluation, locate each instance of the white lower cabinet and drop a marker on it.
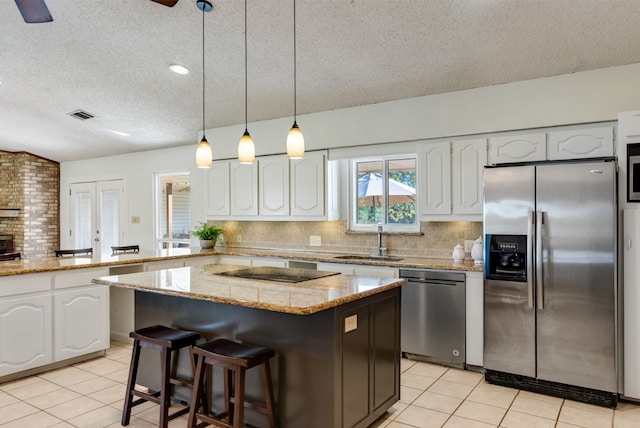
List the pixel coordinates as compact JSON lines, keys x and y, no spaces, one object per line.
{"x":475,"y":318}
{"x":81,"y":320}
{"x":25,"y":332}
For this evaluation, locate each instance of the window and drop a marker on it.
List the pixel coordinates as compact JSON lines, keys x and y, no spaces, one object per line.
{"x":173,"y":212}
{"x":384,"y":192}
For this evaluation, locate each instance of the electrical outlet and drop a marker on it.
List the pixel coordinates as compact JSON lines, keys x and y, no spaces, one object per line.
{"x":135,"y":219}
{"x":315,"y":241}
{"x":238,"y":238}
{"x":468,"y":245}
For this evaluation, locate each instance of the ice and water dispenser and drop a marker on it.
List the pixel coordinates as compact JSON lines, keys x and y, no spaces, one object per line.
{"x":506,"y":257}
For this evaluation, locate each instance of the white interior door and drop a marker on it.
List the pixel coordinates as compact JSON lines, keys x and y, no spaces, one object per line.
{"x":97,"y":215}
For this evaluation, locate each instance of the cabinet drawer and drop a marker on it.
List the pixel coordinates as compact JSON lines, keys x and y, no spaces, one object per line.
{"x":78,"y":278}
{"x":20,"y":284}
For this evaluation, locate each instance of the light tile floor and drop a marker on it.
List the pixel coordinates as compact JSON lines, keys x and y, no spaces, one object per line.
{"x":90,"y":394}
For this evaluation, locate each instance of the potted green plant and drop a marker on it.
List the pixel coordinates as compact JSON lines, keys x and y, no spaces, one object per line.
{"x":207,"y":234}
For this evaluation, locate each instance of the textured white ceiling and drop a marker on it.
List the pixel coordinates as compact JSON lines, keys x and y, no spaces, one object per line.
{"x":111,"y":58}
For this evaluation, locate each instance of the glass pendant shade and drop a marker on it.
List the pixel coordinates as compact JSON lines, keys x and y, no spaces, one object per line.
{"x":295,"y":142}
{"x":204,"y":155}
{"x":246,"y":149}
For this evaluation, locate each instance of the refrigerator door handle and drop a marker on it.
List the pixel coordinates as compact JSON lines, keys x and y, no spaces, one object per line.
{"x":530,"y":259}
{"x":539,"y":276}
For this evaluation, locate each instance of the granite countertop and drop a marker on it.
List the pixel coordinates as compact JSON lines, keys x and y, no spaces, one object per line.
{"x":50,"y":264}
{"x":405,"y":262}
{"x":302,"y":298}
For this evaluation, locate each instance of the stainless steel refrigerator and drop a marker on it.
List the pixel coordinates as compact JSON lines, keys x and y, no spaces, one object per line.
{"x":551,"y":299}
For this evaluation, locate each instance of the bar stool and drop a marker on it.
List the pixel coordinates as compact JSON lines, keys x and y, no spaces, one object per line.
{"x":165,"y":340}
{"x":10,"y":256}
{"x":75,"y":252}
{"x":125,"y":249}
{"x":238,"y":358}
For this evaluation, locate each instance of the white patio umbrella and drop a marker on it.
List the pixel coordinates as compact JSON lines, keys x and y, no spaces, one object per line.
{"x":370,"y":190}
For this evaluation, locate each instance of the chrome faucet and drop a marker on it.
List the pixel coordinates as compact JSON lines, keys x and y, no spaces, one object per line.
{"x":381,"y":250}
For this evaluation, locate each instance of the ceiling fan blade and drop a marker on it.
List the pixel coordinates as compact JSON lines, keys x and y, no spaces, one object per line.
{"x":169,"y":3}
{"x":34,"y":11}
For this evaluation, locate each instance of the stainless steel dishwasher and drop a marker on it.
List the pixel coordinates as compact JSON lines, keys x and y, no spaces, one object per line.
{"x":433,"y":316}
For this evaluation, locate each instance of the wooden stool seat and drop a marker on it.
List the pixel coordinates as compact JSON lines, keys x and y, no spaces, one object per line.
{"x":165,"y":340}
{"x":237,"y":358}
{"x":125,"y":249}
{"x":10,"y":256}
{"x":75,"y":252}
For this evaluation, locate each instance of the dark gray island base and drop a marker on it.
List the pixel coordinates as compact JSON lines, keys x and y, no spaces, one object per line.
{"x":339,"y":367}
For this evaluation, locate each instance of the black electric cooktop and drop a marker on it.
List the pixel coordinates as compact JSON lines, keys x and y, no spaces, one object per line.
{"x":278,"y":274}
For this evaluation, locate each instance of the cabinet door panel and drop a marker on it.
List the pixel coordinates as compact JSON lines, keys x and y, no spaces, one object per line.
{"x":81,"y":321}
{"x":307,"y":185}
{"x":469,"y":159}
{"x":436,"y":162}
{"x":356,"y":349}
{"x":244,"y":189}
{"x":218,"y":200}
{"x":581,"y":143}
{"x":517,"y":148}
{"x":25,"y":333}
{"x":274,"y":185}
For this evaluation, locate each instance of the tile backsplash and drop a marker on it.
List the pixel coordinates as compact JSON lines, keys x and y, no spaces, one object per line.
{"x":436,"y":239}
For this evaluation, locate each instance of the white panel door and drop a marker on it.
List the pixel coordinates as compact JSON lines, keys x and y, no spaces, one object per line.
{"x":580,"y":143}
{"x":244,"y":189}
{"x":308,"y":186}
{"x":631,"y":250}
{"x":475,"y":318}
{"x":97,"y":215}
{"x":274,"y":185}
{"x":81,"y":321}
{"x":25,"y":332}
{"x":468,"y":160}
{"x":435,"y":159}
{"x":517,"y":148}
{"x":218,"y":200}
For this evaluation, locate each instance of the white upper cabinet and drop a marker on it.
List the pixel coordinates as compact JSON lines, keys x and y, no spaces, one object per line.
{"x":518,"y":148}
{"x":561,"y":143}
{"x":308,"y":185}
{"x":244,"y":189}
{"x":218,"y":198}
{"x":580,"y":143}
{"x":435,"y":168}
{"x":274,"y":185}
{"x":469,"y":158}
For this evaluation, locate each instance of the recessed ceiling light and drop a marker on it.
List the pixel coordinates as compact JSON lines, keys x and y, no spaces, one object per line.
{"x":179,"y":69}
{"x":124,"y":134}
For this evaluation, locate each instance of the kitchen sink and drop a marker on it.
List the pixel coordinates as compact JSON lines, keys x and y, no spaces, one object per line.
{"x":370,"y":257}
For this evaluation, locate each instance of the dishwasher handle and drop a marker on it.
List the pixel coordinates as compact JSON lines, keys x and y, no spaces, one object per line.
{"x":433,"y":281}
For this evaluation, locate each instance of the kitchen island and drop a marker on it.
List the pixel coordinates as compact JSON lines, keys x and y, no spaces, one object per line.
{"x":337,"y":338}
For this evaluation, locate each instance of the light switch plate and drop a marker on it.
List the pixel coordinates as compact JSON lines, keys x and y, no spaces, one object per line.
{"x":468,"y":245}
{"x":315,"y":241}
{"x":350,"y":323}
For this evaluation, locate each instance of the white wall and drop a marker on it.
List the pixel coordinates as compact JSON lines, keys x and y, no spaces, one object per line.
{"x":575,"y":98}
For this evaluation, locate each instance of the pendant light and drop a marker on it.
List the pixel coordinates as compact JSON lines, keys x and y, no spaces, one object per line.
{"x":204,"y":155}
{"x":295,"y":139}
{"x":246,"y":148}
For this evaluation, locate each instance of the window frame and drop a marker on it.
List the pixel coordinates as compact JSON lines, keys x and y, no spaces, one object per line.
{"x":161,"y":242}
{"x":354,"y":226}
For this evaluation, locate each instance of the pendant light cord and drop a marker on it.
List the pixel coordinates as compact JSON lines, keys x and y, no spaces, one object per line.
{"x":246,"y":103}
{"x":295,"y":96}
{"x":204,"y":7}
